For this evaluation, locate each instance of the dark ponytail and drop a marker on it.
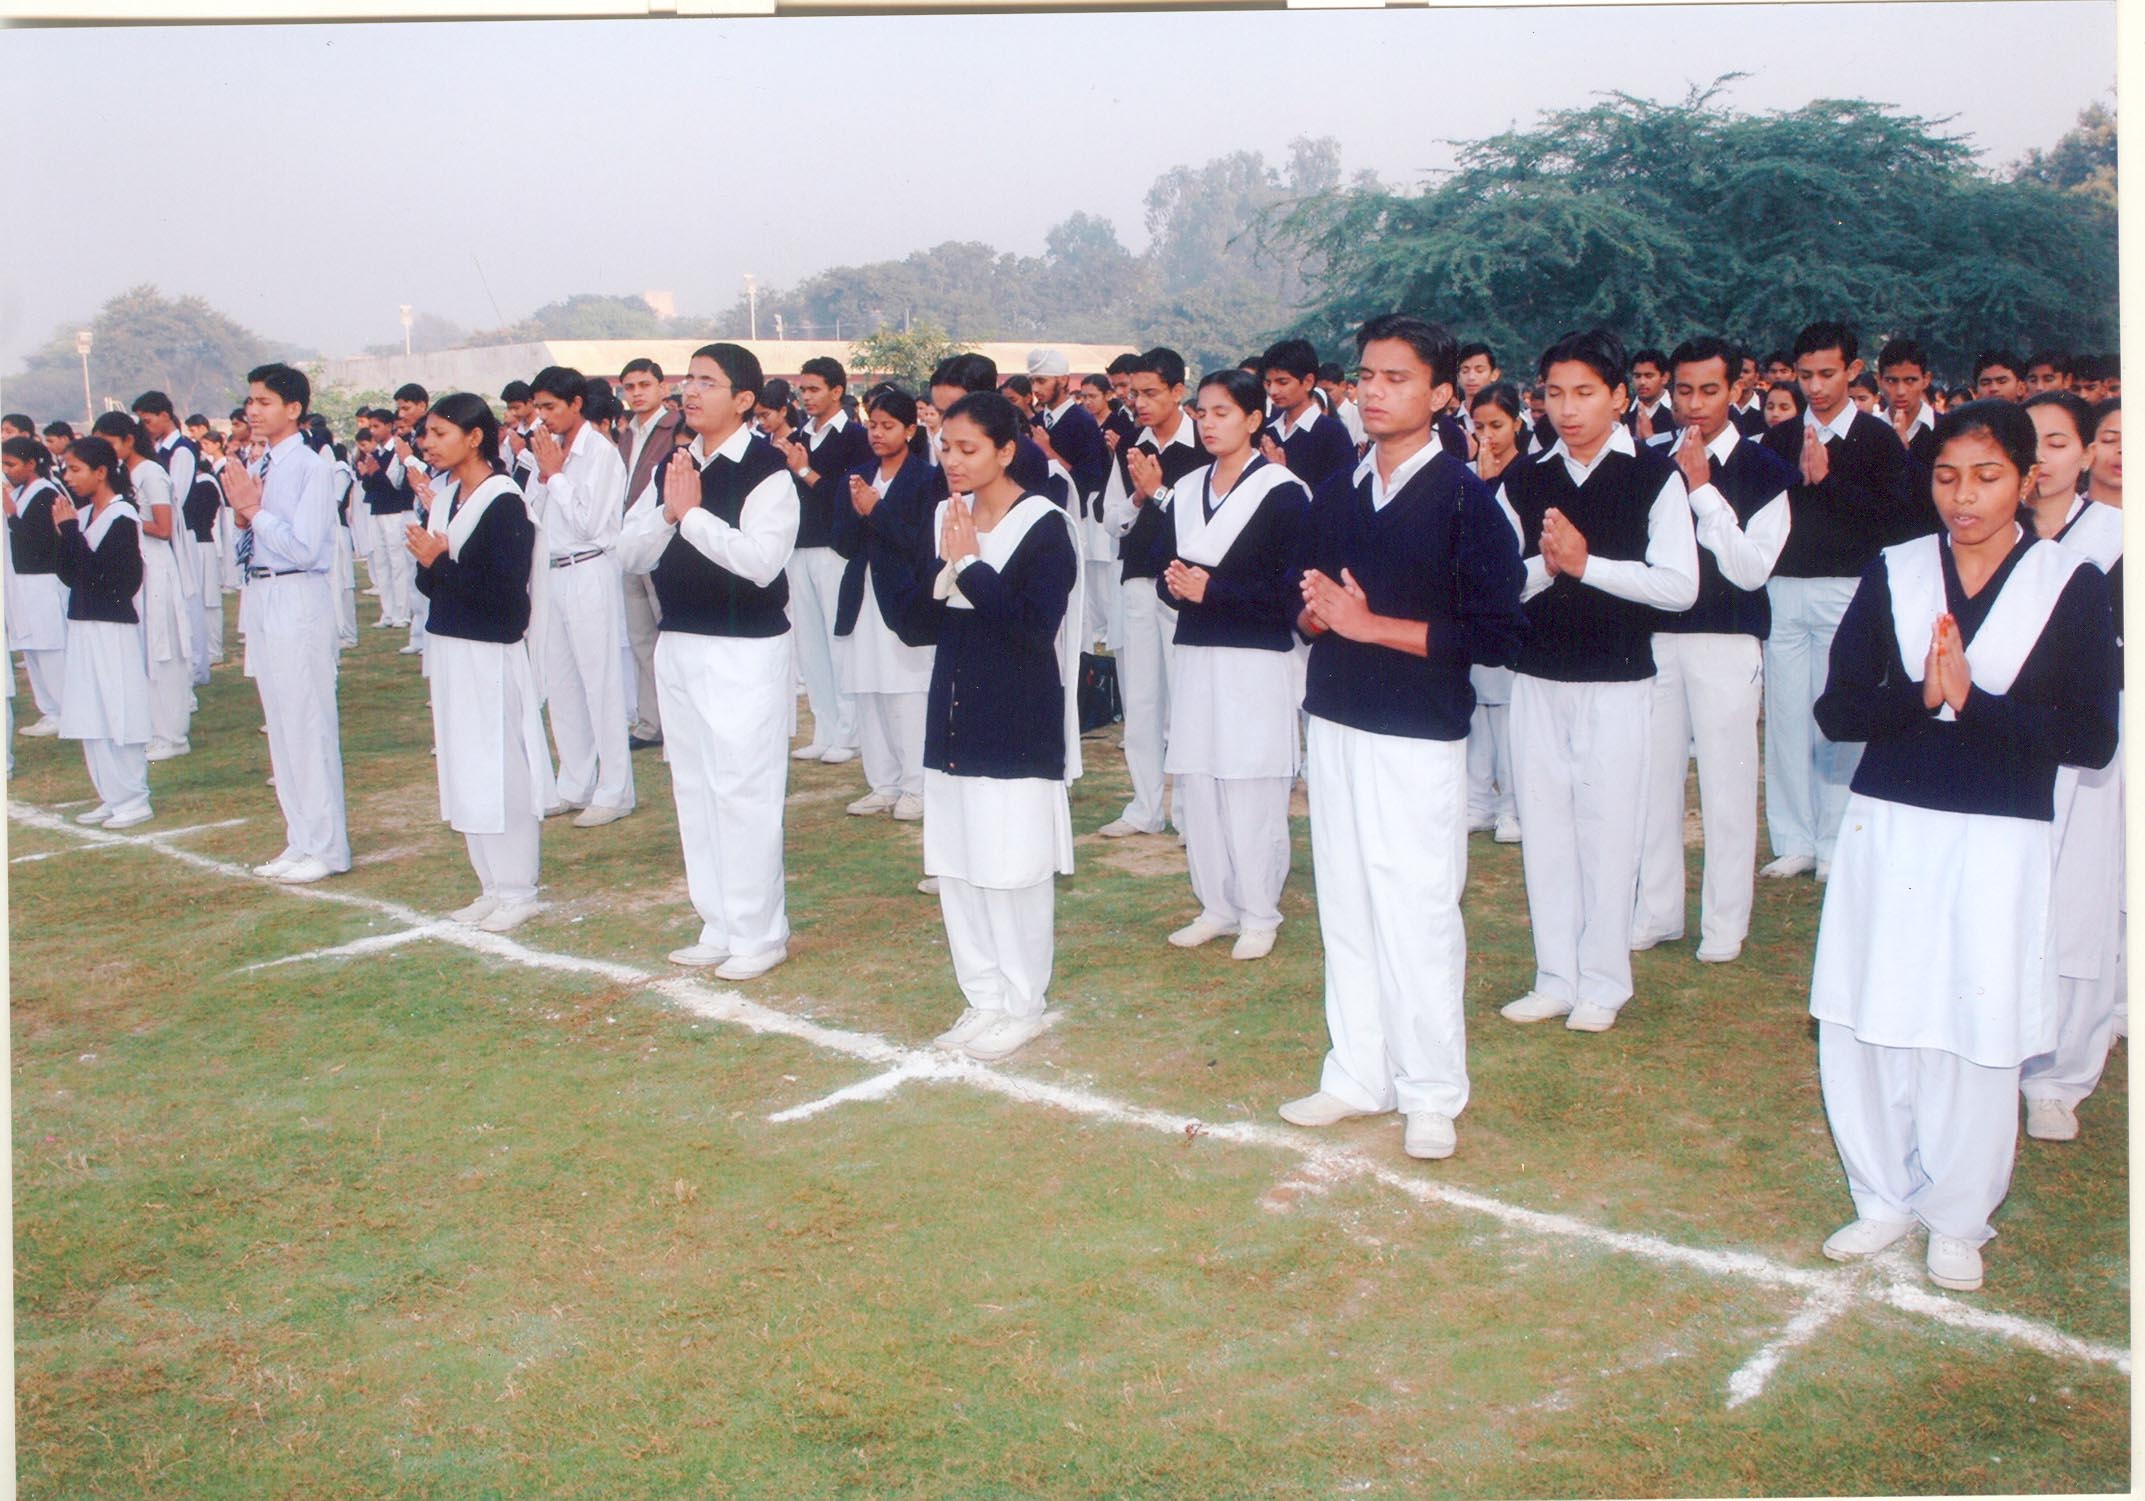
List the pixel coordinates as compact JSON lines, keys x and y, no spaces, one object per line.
{"x":97,"y":453}
{"x":472,"y":414}
{"x":29,"y":451}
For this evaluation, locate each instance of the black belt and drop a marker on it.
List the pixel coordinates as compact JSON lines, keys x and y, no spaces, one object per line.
{"x":570,"y":559}
{"x":274,"y":573}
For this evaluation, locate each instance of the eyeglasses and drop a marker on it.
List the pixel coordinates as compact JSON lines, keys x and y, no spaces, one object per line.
{"x":704,"y":383}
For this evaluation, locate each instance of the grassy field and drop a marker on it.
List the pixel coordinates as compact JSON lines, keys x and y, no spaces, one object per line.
{"x":455,"y":1218}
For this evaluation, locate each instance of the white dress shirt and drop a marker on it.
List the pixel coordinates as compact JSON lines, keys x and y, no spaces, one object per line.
{"x":1381,"y":490}
{"x":179,"y":461}
{"x":581,"y":506}
{"x":294,"y":530}
{"x":1746,"y":551}
{"x":756,"y":549}
{"x":1118,"y":511}
{"x":1667,"y":578}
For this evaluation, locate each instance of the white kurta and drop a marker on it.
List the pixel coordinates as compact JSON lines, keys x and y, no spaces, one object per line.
{"x":106,"y":693}
{"x":36,"y":602}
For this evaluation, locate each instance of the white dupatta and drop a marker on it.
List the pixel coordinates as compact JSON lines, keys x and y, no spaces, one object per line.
{"x":463,"y":522}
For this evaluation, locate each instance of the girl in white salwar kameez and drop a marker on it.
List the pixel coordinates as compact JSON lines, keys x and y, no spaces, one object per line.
{"x":166,"y":606}
{"x":105,"y":700}
{"x":1501,"y":436}
{"x":36,"y":599}
{"x":1000,"y":599}
{"x":1973,"y":664}
{"x":476,"y":564}
{"x":1234,"y":583}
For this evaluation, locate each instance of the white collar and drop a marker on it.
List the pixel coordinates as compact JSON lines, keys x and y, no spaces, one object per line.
{"x":1183,"y":435}
{"x":1619,"y":442}
{"x":834,"y":424}
{"x":1724,"y":444}
{"x":1050,"y":418}
{"x":1367,"y":468}
{"x":1303,"y":424}
{"x":731,"y":448}
{"x":1837,"y":427}
{"x":283,"y":446}
{"x":1925,"y":416}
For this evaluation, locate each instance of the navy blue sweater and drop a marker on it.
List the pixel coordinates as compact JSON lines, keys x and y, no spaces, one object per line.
{"x":1318,"y":452}
{"x":997,"y":704}
{"x":1077,"y":440}
{"x":819,"y":506}
{"x":483,"y":595}
{"x":1865,"y":503}
{"x":1441,"y":551}
{"x":102,"y":580}
{"x":898,"y":526}
{"x":2001,"y":752}
{"x":33,"y":542}
{"x":1577,"y":633}
{"x":1254,"y":594}
{"x":1143,"y":548}
{"x":1749,"y":481}
{"x":699,"y":596}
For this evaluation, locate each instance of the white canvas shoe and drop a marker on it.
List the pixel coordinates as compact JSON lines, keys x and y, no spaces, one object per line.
{"x":128,"y":820}
{"x":812,"y":752}
{"x":699,"y":955}
{"x":1954,"y":1263}
{"x":751,"y":967}
{"x":909,"y":807}
{"x":95,"y":815}
{"x":45,"y":728}
{"x":1320,"y":1109}
{"x":1507,"y":831}
{"x":273,"y":870}
{"x":1198,"y":931}
{"x":1862,"y":1238}
{"x":1005,"y":1036}
{"x":1535,"y":1008}
{"x":1588,"y":1017}
{"x":508,"y":916}
{"x":928,"y":885}
{"x":2046,"y":1120}
{"x":476,"y":911}
{"x":596,"y":815}
{"x":1789,"y":865}
{"x":838,"y":754}
{"x":1429,"y":1135}
{"x":971,"y":1023}
{"x":1255,"y":943}
{"x":872,"y":802}
{"x":304,"y":871}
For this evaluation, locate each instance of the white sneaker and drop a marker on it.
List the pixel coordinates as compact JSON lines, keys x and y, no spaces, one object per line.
{"x":839,"y":754}
{"x":2046,"y":1120}
{"x":909,"y":808}
{"x":1720,"y":956}
{"x":508,"y":916}
{"x":1789,"y":865}
{"x":410,"y":651}
{"x":873,"y":802}
{"x":753,"y":966}
{"x":1320,"y":1109}
{"x":560,"y":807}
{"x":1535,"y":1008}
{"x":1588,"y":1017}
{"x":129,"y":820}
{"x":45,"y":728}
{"x":476,"y":911}
{"x":1429,"y":1135}
{"x":928,"y":885}
{"x":812,"y":752}
{"x":1823,"y":871}
{"x":1507,"y":831}
{"x":596,"y":815}
{"x":304,"y":871}
{"x":168,"y":750}
{"x":95,"y":815}
{"x":1199,"y":931}
{"x":1954,"y":1263}
{"x":1256,"y":943}
{"x":1005,"y":1036}
{"x":699,"y":955}
{"x":1480,"y":823}
{"x":1862,"y":1238}
{"x":1641,"y":942}
{"x":972,"y":1022}
{"x":1117,"y":828}
{"x":273,"y":869}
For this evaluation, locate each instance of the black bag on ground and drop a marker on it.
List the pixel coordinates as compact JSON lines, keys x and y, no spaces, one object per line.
{"x":1100,"y":703}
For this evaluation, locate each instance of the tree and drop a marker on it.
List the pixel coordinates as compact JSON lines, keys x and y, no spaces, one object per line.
{"x":2082,"y":161}
{"x":142,"y":341}
{"x":339,"y":404}
{"x":1660,"y":221}
{"x":905,"y":357}
{"x":584,"y":315}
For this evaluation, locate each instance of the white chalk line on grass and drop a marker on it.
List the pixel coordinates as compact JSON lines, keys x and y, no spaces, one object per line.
{"x":151,"y":837}
{"x":1826,"y":1293}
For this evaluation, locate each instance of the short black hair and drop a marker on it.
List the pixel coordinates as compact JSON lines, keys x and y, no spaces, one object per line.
{"x":195,"y":419}
{"x":118,"y":425}
{"x":515,"y":390}
{"x":411,"y":391}
{"x":288,"y":384}
{"x":1019,"y":384}
{"x":1096,"y":383}
{"x":154,"y":403}
{"x":1291,"y":357}
{"x":1596,"y":348}
{"x":1902,"y":351}
{"x":22,"y":420}
{"x":1331,"y":370}
{"x":1994,"y":359}
{"x":634,"y":367}
{"x":739,"y":364}
{"x":2055,"y":359}
{"x":1432,"y":342}
{"x":58,"y":430}
{"x":1779,"y":357}
{"x":1864,"y":382}
{"x":1472,"y":348}
{"x":1651,"y":356}
{"x":564,"y":382}
{"x":827,"y":369}
{"x":970,"y":372}
{"x":1241,"y":387}
{"x":1162,"y":361}
{"x":1122,"y":365}
{"x":1697,"y":351}
{"x":1826,"y":335}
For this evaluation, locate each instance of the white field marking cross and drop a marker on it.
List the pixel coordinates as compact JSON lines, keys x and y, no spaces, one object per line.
{"x":1825,"y":1293}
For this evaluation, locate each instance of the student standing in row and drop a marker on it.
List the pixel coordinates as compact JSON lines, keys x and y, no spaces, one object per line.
{"x":477,"y":563}
{"x":1502,"y":437}
{"x":1301,"y":437}
{"x":1606,"y":529}
{"x":715,"y":530}
{"x":105,"y":701}
{"x":286,"y":518}
{"x":165,"y":608}
{"x":577,"y":495}
{"x":1234,"y":581}
{"x":1973,"y":664}
{"x":36,"y":599}
{"x":644,"y":444}
{"x":1001,"y":740}
{"x":180,"y":459}
{"x":388,"y":503}
{"x":1651,"y":412}
{"x":1414,"y":577}
{"x":822,"y":457}
{"x":1708,"y":665}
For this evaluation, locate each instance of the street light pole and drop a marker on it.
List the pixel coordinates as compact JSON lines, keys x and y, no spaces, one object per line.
{"x":81,"y":347}
{"x":752,"y":303}
{"x":405,"y":327}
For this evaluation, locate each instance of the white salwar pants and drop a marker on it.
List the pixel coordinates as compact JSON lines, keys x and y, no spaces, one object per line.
{"x":211,"y":602}
{"x":584,"y":684}
{"x":815,"y":580}
{"x":506,"y":863}
{"x":644,"y":617}
{"x":1489,"y":764}
{"x":1923,"y":1134}
{"x":1579,"y":756}
{"x":1806,"y":775}
{"x":1150,"y":629}
{"x":726,"y":714}
{"x":1002,"y":941}
{"x":384,"y":559}
{"x":1389,"y":855}
{"x":1706,"y":689}
{"x":891,"y":727}
{"x":120,"y":773}
{"x":1237,"y":840}
{"x":345,"y":585}
{"x":290,"y":655}
{"x":2086,"y":930}
{"x":47,"y":670}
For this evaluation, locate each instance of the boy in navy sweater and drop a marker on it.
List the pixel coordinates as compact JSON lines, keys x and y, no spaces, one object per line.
{"x":1300,"y":437}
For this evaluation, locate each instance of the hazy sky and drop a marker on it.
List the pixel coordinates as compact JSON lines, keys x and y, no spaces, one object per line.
{"x":307,"y":179}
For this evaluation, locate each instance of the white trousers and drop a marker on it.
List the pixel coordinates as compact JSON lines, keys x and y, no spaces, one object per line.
{"x":1706,"y":689}
{"x":227,"y":550}
{"x":891,"y":727}
{"x":171,"y":699}
{"x":815,"y":579}
{"x":1143,"y":681}
{"x":208,"y":602}
{"x":726,"y":715}
{"x":1924,"y":1134}
{"x":345,"y":585}
{"x":48,"y":672}
{"x":584,"y":684}
{"x":1579,"y":754}
{"x":1806,"y":775}
{"x":212,"y":609}
{"x":384,"y":540}
{"x":419,"y":604}
{"x":643,"y":616}
{"x":1489,"y":764}
{"x":120,"y":773}
{"x":1236,"y":835}
{"x":290,"y":653}
{"x":1102,"y":608}
{"x":1002,"y":940}
{"x":1389,"y":855}
{"x":506,"y":862}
